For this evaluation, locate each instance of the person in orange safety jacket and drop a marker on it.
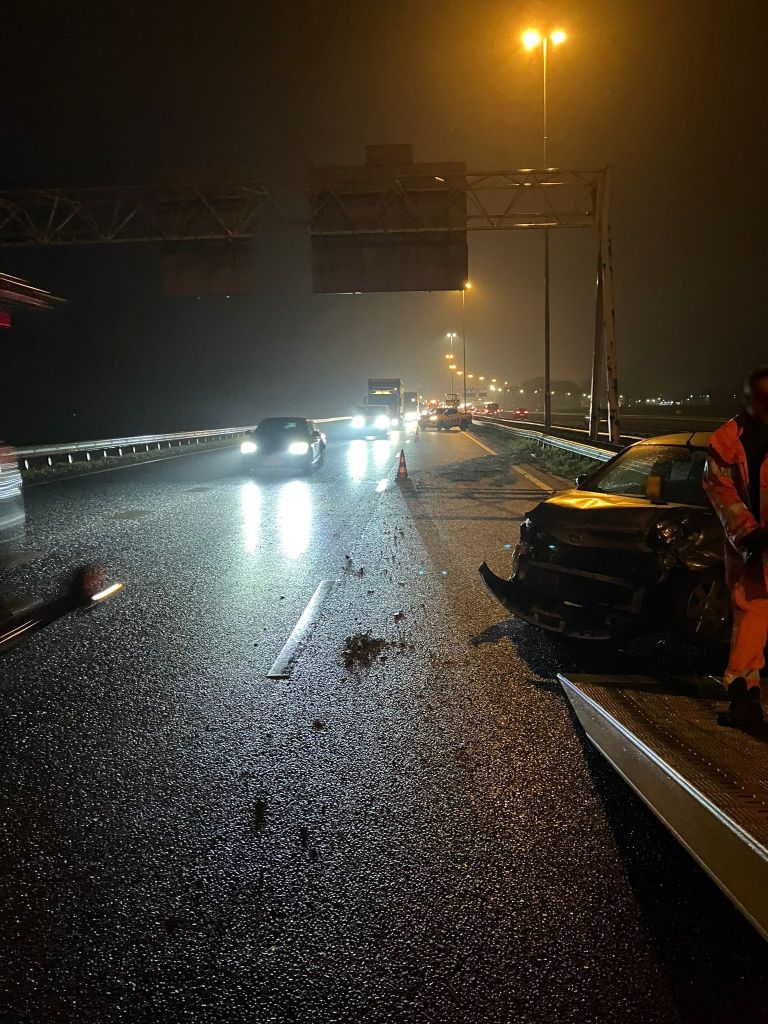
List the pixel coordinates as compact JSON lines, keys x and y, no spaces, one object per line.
{"x":736,"y":482}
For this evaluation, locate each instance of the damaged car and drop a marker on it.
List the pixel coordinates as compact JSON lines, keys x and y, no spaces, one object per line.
{"x":634,"y":546}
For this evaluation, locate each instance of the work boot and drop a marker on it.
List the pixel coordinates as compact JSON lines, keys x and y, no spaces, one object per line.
{"x":745,"y":710}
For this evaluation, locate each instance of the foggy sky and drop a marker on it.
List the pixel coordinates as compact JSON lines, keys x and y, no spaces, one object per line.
{"x":670,"y":94}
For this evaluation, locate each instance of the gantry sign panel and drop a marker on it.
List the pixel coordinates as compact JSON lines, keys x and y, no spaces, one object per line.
{"x":389,"y":226}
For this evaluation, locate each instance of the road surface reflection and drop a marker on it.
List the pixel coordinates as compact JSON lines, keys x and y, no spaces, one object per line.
{"x":294,"y":518}
{"x":250,"y":500}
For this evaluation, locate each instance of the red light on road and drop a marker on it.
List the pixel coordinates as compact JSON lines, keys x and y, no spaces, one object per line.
{"x":5,"y":319}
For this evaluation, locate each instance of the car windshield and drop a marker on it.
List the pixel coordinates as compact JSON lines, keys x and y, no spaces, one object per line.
{"x":281,"y":428}
{"x":678,"y":468}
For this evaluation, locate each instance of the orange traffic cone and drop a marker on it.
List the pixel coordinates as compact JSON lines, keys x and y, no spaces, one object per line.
{"x":402,"y":469}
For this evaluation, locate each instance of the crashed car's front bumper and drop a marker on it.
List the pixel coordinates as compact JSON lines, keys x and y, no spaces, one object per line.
{"x":567,"y":618}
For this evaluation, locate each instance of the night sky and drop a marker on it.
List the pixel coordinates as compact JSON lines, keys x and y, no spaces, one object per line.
{"x":671,"y":94}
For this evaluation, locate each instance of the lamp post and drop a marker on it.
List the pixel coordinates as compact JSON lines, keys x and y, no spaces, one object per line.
{"x":449,"y":357}
{"x":532,"y":39}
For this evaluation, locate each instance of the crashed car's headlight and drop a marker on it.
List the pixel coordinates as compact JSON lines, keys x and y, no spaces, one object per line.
{"x":527,"y":528}
{"x":248,"y":447}
{"x":357,"y":422}
{"x":298,"y":448}
{"x":432,"y":419}
{"x":665,"y":532}
{"x":381,"y":422}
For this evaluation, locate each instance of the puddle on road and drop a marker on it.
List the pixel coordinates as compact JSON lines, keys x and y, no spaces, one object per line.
{"x":131,"y":513}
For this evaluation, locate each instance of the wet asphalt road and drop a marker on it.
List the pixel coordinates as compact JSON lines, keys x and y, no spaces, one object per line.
{"x":425,"y":837}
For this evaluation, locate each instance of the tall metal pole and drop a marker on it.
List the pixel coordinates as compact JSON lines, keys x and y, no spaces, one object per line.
{"x":598,"y":354}
{"x":547,"y":361}
{"x":464,"y":345}
{"x":609,"y":320}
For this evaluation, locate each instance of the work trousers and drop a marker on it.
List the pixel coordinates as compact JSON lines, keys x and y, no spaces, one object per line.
{"x":749,"y":600}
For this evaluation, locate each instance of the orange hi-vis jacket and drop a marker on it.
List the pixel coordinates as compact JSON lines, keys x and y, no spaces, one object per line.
{"x":727,"y":485}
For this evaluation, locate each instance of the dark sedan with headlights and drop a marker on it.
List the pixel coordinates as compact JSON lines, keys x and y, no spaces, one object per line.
{"x":284,"y":443}
{"x":635,"y":545}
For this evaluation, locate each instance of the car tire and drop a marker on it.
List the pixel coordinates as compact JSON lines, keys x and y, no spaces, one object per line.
{"x":701,"y":606}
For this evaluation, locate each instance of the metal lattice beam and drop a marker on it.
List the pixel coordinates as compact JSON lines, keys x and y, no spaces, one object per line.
{"x":186,"y":212}
{"x":401,"y":204}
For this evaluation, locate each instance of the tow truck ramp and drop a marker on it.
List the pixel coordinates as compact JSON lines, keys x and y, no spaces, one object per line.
{"x":706,"y":783}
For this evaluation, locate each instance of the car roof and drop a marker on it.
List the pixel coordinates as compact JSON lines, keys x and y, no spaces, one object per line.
{"x":283,"y":419}
{"x":687,"y":438}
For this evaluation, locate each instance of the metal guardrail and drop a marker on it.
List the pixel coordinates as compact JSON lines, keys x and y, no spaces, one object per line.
{"x":116,"y":447}
{"x":600,"y":452}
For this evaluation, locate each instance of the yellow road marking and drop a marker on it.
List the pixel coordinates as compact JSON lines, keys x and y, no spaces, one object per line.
{"x":480,"y":443}
{"x":534,"y":479}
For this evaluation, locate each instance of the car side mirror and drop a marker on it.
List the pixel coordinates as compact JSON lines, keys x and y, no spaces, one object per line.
{"x":653,"y":487}
{"x":580,"y":479}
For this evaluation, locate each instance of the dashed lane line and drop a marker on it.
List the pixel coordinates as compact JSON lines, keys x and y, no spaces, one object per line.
{"x":281,"y":667}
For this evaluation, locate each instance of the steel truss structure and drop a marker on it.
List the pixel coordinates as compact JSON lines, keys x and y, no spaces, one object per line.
{"x":402,"y":201}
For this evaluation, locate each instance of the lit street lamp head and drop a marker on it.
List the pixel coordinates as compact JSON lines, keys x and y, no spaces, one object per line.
{"x":532,"y":38}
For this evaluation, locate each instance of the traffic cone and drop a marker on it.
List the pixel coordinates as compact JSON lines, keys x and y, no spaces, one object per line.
{"x":402,"y":469}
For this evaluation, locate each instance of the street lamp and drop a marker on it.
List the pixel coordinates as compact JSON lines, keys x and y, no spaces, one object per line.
{"x":532,"y":39}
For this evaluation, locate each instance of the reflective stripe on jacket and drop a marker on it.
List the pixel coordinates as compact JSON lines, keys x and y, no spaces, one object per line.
{"x":726,"y":482}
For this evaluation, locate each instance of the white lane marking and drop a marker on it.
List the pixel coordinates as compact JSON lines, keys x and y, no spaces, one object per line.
{"x":480,"y":443}
{"x":281,"y":667}
{"x":534,"y":479}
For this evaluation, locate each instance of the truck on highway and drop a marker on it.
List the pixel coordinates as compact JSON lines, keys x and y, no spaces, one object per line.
{"x":388,"y":391}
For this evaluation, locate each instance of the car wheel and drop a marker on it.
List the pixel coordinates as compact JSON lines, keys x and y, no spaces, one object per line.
{"x":701,"y":606}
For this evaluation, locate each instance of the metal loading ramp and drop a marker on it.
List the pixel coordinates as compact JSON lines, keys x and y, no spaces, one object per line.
{"x":708,"y":784}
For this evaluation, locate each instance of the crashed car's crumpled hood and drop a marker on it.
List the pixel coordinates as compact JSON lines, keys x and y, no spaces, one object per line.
{"x":600,"y":520}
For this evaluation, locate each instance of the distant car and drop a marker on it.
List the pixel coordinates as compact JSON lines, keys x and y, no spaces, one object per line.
{"x":492,"y":409}
{"x":371,"y":421}
{"x":520,"y":414}
{"x":284,"y":442}
{"x":447,"y":417}
{"x":635,"y":545}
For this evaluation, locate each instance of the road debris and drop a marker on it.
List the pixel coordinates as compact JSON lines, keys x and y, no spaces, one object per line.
{"x":259,"y":814}
{"x":361,"y":650}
